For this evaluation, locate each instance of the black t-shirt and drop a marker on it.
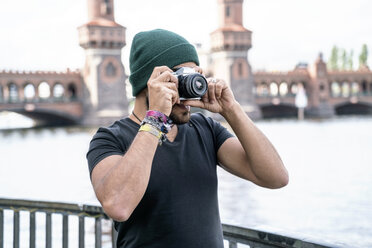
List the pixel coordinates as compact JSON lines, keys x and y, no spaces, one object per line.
{"x":180,"y":205}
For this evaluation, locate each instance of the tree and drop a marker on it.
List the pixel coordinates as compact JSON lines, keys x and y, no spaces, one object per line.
{"x":333,"y":60}
{"x":363,"y":56}
{"x":343,"y":60}
{"x":350,"y":60}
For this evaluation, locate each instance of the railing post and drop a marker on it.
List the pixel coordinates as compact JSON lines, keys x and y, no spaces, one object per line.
{"x":15,"y":229}
{"x":1,"y":228}
{"x":81,"y":232}
{"x":114,"y":235}
{"x":233,"y":244}
{"x":48,"y":230}
{"x":65,"y":231}
{"x":32,"y":230}
{"x":98,"y":232}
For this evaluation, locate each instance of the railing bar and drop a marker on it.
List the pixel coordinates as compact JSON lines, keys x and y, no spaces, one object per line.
{"x":1,"y":228}
{"x":15,"y":229}
{"x":65,"y":231}
{"x":48,"y":230}
{"x":81,"y":232}
{"x":98,"y":232}
{"x":114,"y":235}
{"x":32,"y":230}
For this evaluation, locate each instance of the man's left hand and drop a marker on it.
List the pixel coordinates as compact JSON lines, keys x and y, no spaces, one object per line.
{"x":218,"y":99}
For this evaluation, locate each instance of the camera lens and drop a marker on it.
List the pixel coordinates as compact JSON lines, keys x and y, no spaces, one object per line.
{"x":192,"y":86}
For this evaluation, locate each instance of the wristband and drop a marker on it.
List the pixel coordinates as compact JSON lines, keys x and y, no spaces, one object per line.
{"x":158,"y":120}
{"x":154,"y":131}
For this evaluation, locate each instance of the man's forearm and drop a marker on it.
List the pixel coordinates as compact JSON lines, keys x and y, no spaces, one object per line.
{"x":123,"y":186}
{"x":261,"y":155}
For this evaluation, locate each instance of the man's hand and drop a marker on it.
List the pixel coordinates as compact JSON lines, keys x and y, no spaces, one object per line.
{"x":162,"y":90}
{"x":218,"y":99}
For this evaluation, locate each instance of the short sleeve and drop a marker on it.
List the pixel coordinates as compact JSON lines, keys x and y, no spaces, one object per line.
{"x":103,"y":144}
{"x":220,"y":132}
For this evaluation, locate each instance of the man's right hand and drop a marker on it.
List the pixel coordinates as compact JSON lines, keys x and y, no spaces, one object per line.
{"x":162,"y":90}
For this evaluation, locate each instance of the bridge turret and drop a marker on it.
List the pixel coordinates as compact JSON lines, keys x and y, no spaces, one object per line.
{"x":318,"y":90}
{"x":230,"y":43}
{"x":104,"y":74}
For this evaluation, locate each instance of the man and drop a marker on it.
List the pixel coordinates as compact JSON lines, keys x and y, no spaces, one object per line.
{"x":166,"y":195}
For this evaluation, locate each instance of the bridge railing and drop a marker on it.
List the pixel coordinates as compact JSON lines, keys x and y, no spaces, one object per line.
{"x":232,"y":234}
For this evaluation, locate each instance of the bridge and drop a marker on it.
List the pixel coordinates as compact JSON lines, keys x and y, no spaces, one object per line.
{"x":49,"y":98}
{"x":333,"y":93}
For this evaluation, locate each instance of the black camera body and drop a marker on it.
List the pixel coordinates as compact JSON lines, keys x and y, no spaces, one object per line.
{"x":191,"y":85}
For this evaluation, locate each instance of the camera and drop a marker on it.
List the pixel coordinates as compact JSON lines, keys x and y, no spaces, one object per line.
{"x":191,"y":85}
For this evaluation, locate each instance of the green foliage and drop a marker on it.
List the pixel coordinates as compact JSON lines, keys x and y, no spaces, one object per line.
{"x":333,"y":60}
{"x":363,"y":57}
{"x":340,"y":59}
{"x":350,"y":60}
{"x":343,"y":59}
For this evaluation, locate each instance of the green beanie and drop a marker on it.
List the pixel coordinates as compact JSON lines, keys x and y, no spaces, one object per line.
{"x":157,"y":48}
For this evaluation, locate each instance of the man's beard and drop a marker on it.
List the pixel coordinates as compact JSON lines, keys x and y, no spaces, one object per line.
{"x":181,"y":118}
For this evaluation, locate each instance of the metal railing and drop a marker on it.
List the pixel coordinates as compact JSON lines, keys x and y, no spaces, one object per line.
{"x":233,"y":234}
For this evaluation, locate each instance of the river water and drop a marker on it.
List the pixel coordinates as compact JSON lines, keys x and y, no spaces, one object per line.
{"x":328,"y":199}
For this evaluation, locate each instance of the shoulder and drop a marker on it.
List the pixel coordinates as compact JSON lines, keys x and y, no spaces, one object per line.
{"x":199,"y":118}
{"x":117,"y":129}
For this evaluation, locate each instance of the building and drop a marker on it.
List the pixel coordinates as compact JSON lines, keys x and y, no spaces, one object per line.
{"x":96,"y":95}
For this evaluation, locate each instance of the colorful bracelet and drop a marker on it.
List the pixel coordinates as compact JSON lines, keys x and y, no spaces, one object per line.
{"x":158,"y":120}
{"x":154,"y":131}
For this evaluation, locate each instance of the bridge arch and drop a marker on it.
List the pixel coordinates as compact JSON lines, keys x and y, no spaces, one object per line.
{"x":47,"y":117}
{"x":293,"y":88}
{"x":13,"y":92}
{"x":335,"y":89}
{"x":274,"y":89}
{"x":278,"y":111}
{"x":359,"y":108}
{"x":72,"y":91}
{"x":29,"y":92}
{"x":283,"y":89}
{"x":262,"y":89}
{"x":355,"y":89}
{"x":58,"y":91}
{"x":44,"y":90}
{"x":345,"y":89}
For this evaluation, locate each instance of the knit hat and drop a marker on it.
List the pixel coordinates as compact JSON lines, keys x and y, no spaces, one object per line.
{"x":157,"y":48}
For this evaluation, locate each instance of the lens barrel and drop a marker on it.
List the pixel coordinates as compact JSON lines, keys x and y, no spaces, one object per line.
{"x":192,"y":85}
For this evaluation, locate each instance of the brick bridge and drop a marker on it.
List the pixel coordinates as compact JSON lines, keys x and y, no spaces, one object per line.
{"x":329,"y":92}
{"x":53,"y":98}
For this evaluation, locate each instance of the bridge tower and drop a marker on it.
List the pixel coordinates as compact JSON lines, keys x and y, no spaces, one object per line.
{"x":104,"y":74}
{"x":319,"y":91}
{"x":229,"y":54}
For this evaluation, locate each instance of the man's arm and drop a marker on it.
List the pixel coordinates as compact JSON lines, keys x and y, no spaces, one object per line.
{"x":121,"y":181}
{"x":250,"y":155}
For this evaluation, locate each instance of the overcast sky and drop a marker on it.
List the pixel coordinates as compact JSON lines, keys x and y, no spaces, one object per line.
{"x":42,"y":34}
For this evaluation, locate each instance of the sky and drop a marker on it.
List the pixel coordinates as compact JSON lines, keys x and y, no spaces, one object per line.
{"x":42,"y":34}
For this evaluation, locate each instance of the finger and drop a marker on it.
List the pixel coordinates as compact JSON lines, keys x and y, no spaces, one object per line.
{"x":211,"y":92}
{"x":167,"y":76}
{"x":198,"y":69}
{"x":205,"y":98}
{"x":194,"y":103}
{"x":219,"y":87}
{"x":159,"y":70}
{"x":211,"y":80}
